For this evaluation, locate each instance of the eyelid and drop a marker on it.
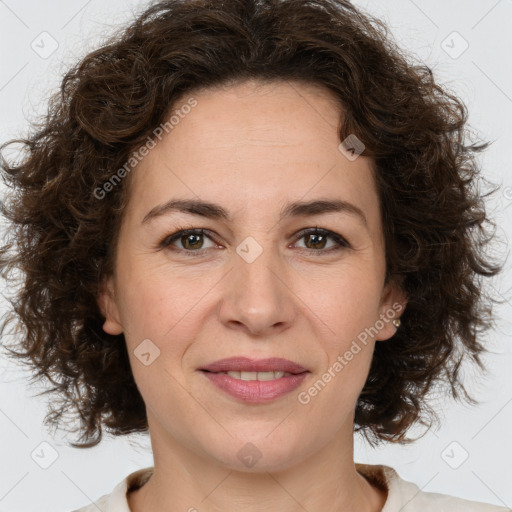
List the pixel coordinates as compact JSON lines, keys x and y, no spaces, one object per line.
{"x":340,"y":240}
{"x":179,"y":232}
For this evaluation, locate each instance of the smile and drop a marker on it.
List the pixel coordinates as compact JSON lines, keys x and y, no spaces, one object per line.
{"x":262,"y":376}
{"x":255,"y":387}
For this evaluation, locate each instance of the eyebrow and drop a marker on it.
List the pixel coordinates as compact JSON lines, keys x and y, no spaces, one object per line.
{"x":295,"y":209}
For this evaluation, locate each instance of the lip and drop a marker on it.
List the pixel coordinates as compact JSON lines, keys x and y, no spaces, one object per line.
{"x":246,"y":364}
{"x":255,"y":391}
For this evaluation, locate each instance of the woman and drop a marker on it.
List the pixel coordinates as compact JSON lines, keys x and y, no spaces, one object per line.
{"x":251,"y":228}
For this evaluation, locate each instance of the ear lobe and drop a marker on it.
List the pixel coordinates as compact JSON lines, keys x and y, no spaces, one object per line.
{"x":393,"y":304}
{"x":108,"y":307}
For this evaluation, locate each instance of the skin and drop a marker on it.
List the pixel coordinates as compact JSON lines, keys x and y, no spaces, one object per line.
{"x":251,"y":148}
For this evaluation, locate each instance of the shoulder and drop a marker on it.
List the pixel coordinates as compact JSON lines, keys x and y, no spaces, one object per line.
{"x":117,"y":501}
{"x":405,"y":496}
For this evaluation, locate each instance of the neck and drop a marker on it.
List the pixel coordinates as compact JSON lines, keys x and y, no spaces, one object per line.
{"x":326,"y":481}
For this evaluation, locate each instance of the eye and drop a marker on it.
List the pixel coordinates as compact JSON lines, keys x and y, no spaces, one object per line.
{"x":192,"y":241}
{"x":317,"y":238}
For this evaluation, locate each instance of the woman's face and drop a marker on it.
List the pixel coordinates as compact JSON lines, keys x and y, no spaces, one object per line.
{"x":253,"y":284}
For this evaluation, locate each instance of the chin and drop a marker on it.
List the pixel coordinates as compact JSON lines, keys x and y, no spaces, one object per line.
{"x":258,"y":455}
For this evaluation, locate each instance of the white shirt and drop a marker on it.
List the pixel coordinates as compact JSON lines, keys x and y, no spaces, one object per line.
{"x":403,"y":496}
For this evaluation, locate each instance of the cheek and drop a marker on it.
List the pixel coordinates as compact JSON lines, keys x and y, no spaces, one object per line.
{"x":348,"y":304}
{"x":157,"y":334}
{"x":350,"y":310}
{"x":152,"y":300}
{"x":166,"y":310}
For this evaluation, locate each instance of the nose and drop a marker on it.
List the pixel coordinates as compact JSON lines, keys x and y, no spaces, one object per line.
{"x":258,"y":297}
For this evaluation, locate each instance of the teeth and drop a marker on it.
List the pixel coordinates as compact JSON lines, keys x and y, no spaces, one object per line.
{"x":257,"y":375}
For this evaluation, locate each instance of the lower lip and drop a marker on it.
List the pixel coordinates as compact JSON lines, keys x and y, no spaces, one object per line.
{"x":255,"y":391}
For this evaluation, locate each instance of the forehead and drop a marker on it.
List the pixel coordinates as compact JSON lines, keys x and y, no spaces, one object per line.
{"x":251,"y":143}
{"x":256,"y":112}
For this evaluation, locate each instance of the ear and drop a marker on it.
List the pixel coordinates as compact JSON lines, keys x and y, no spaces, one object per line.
{"x":392,"y":306}
{"x":108,"y":307}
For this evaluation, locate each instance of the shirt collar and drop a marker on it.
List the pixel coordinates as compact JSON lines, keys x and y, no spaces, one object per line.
{"x":383,"y":477}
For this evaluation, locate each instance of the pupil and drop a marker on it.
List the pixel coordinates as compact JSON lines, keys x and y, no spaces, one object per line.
{"x":313,"y":237}
{"x":317,"y":236}
{"x":188,"y":238}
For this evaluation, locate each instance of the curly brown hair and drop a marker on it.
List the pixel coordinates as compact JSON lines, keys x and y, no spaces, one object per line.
{"x":62,"y":236}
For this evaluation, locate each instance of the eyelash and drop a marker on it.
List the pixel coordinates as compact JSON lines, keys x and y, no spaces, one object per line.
{"x":338,"y":239}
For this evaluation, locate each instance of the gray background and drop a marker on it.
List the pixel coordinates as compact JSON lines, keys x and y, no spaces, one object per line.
{"x":38,"y":41}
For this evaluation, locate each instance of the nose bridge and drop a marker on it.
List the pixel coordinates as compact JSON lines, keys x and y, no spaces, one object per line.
{"x":259,"y":298}
{"x":258,"y":262}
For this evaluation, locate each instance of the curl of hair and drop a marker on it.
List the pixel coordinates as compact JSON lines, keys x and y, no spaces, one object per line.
{"x":62,"y":237}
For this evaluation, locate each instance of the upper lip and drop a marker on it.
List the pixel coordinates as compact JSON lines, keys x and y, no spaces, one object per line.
{"x":246,"y":364}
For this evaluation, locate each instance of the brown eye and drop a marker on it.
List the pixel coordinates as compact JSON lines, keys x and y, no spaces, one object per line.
{"x":318,"y":241}
{"x":191,"y":240}
{"x":317,"y":238}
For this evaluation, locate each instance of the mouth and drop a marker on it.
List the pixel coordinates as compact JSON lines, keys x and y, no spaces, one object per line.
{"x":260,"y":376}
{"x":255,"y":387}
{"x":245,"y":368}
{"x":255,"y":381}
